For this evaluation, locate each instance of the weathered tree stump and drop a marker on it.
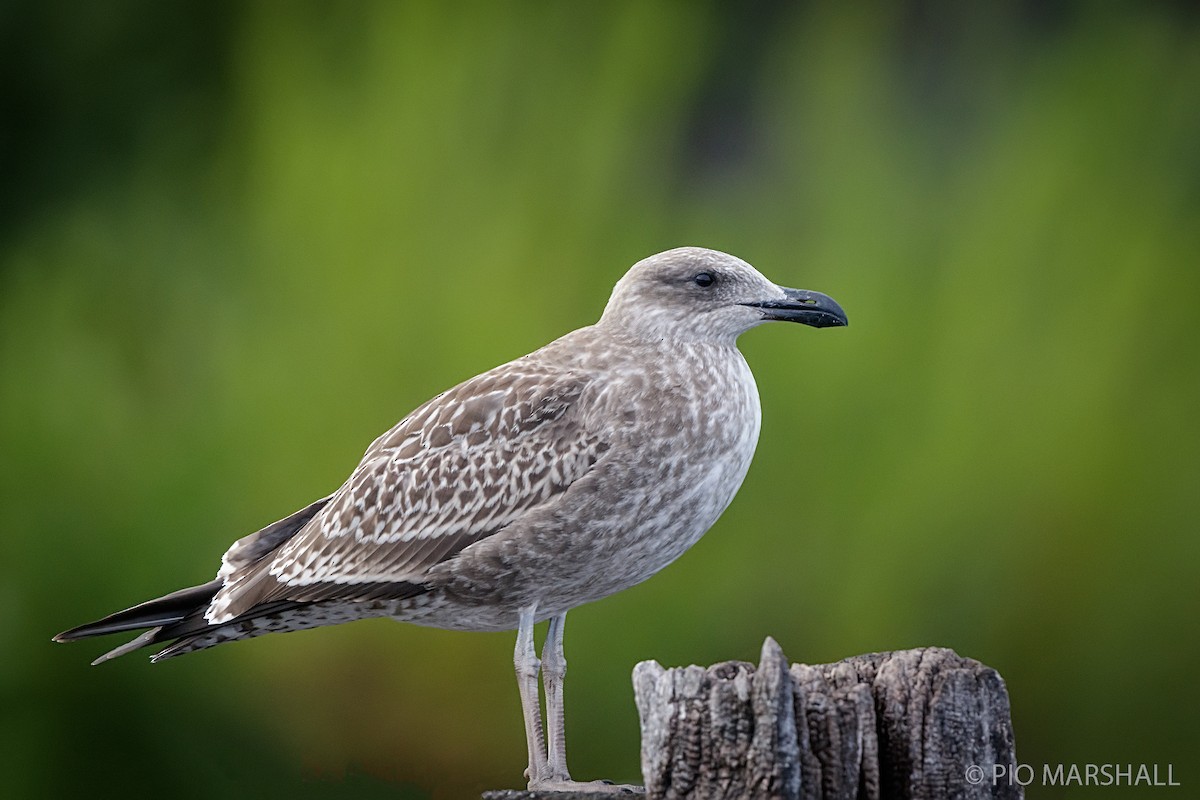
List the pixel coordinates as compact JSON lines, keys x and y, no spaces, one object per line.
{"x":924,"y":724}
{"x":906,"y":724}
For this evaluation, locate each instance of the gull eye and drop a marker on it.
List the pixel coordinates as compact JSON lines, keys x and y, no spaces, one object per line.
{"x":703,"y":279}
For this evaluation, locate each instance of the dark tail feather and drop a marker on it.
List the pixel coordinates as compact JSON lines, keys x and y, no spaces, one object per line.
{"x":154,"y":614}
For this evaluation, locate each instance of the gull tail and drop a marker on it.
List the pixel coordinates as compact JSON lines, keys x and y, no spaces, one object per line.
{"x":153,"y":614}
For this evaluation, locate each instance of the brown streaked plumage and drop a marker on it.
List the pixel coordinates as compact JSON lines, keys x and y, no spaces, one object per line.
{"x":558,"y":478}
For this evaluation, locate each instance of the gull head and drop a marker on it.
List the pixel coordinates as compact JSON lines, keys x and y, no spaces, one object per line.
{"x":692,"y":294}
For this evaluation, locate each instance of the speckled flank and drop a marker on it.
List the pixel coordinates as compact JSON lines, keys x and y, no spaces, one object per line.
{"x":559,"y":478}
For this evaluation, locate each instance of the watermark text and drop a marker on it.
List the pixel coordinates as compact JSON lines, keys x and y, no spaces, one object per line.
{"x":1072,"y":774}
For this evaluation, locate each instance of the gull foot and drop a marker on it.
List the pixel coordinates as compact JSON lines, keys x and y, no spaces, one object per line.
{"x":590,"y":787}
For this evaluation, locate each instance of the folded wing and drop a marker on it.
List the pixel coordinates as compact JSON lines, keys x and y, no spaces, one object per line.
{"x":460,"y":468}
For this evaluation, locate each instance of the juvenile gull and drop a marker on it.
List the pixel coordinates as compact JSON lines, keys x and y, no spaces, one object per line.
{"x":553,"y":480}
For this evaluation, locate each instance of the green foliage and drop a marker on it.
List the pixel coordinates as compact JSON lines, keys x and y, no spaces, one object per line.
{"x":240,"y":243}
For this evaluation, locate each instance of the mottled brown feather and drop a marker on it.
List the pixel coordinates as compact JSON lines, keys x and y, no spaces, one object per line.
{"x":459,"y":469}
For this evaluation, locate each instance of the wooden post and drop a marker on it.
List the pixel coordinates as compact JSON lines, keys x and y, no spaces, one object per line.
{"x":907,"y":724}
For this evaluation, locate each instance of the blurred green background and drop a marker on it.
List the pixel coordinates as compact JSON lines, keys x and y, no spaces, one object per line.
{"x":239,"y":240}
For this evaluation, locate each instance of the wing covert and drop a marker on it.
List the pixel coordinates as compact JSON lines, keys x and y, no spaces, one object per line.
{"x":458,"y":469}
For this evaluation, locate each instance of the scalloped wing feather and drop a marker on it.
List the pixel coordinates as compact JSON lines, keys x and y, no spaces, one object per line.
{"x":458,"y":469}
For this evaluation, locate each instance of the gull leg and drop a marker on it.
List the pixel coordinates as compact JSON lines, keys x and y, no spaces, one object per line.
{"x":527,"y":665}
{"x":554,"y":669}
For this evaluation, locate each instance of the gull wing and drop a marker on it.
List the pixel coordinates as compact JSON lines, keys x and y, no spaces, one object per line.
{"x":460,"y":468}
